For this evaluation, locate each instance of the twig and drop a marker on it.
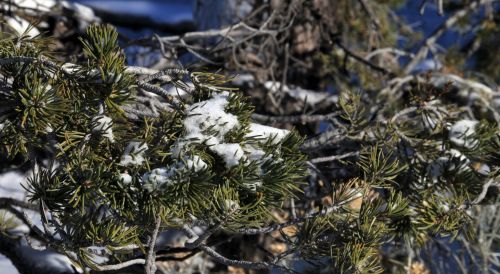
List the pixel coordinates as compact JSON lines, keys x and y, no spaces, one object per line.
{"x":394,"y":51}
{"x":244,"y":264}
{"x":329,"y":138}
{"x":334,"y":157}
{"x":150,"y":267}
{"x":370,"y":14}
{"x":39,"y":233}
{"x":170,"y":73}
{"x":363,"y":60}
{"x":271,"y":228}
{"x":306,"y":118}
{"x":201,"y":238}
{"x":481,"y":195}
{"x":223,"y":260}
{"x":119,"y":266}
{"x":440,"y":7}
{"x":421,"y":7}
{"x":138,"y":112}
{"x":6,"y":202}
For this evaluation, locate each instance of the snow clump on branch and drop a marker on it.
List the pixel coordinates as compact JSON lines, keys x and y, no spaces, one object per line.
{"x":103,"y":124}
{"x":462,"y":134}
{"x":134,"y":154}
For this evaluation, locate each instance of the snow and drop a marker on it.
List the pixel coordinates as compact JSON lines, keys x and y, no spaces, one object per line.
{"x":134,"y":154}
{"x":84,"y":13}
{"x":170,"y":12}
{"x":483,"y":169}
{"x":452,"y":160}
{"x":430,"y":121}
{"x":50,"y":261}
{"x":38,"y":5}
{"x":263,"y":133}
{"x":126,"y":178}
{"x":254,"y":154}
{"x":103,"y":124}
{"x":231,"y":205}
{"x":231,"y":153}
{"x":444,"y":207}
{"x":195,"y":163}
{"x":175,"y":91}
{"x":158,"y":177}
{"x":207,"y":122}
{"x":461,"y":134}
{"x":6,"y":266}
{"x":310,"y":96}
{"x":165,"y":176}
{"x":253,"y":185}
{"x":11,"y":186}
{"x":427,"y":65}
{"x":495,"y":101}
{"x":20,"y":26}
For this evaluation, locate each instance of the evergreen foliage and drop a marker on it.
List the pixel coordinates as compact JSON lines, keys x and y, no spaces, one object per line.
{"x":109,"y":178}
{"x":118,"y":157}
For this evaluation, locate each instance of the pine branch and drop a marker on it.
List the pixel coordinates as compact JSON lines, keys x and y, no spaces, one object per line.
{"x":271,"y":228}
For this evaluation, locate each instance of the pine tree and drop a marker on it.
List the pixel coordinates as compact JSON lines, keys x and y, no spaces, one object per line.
{"x":121,"y":153}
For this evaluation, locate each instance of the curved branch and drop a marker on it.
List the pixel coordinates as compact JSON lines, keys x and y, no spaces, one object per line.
{"x":6,"y":202}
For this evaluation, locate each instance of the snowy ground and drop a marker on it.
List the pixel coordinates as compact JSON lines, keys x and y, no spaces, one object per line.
{"x":161,"y":11}
{"x":10,"y":186}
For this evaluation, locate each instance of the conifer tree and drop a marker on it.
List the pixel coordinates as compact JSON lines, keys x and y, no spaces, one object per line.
{"x":121,"y":153}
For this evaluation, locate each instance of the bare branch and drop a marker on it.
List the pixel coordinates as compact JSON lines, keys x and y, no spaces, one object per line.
{"x":267,"y":229}
{"x":370,"y":14}
{"x":150,"y":267}
{"x":362,"y":60}
{"x":118,"y":266}
{"x":305,"y":118}
{"x":481,"y":195}
{"x":451,"y":21}
{"x":6,"y":202}
{"x":223,"y":260}
{"x":334,"y":157}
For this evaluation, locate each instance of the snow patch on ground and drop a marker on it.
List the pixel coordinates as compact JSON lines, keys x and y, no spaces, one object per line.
{"x":172,"y":12}
{"x":51,"y":261}
{"x":11,"y":186}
